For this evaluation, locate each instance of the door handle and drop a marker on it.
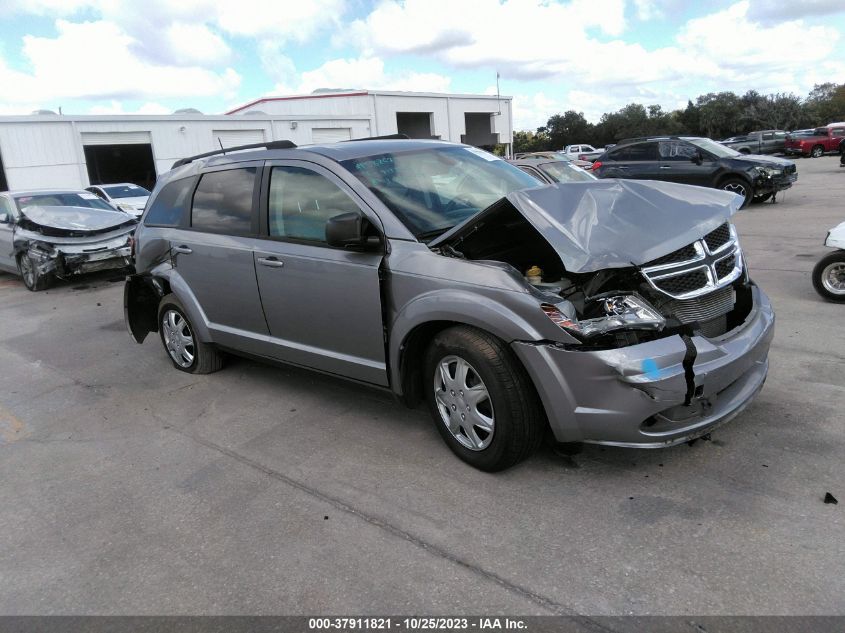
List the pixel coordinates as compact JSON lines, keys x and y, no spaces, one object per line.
{"x":665,"y":167}
{"x":272,"y":262}
{"x":181,"y":249}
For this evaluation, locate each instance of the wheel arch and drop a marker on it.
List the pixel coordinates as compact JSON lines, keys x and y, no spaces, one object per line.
{"x":421,"y":320}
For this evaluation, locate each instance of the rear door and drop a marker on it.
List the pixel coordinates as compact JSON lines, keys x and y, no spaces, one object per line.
{"x":836,"y":136}
{"x":323,"y":304}
{"x":214,"y":254}
{"x":637,"y":160}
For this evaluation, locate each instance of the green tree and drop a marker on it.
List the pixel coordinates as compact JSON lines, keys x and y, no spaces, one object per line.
{"x":568,"y":128}
{"x":825,"y":104}
{"x":719,"y":114}
{"x":527,"y":141}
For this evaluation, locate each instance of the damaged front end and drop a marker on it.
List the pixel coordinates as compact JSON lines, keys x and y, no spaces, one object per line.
{"x":666,"y":334}
{"x":65,"y":241}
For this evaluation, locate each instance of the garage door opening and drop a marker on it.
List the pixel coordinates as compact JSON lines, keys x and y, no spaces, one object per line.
{"x":121,"y":163}
{"x":414,"y":124}
{"x":479,"y":127}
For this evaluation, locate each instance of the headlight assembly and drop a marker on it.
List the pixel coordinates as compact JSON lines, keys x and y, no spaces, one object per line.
{"x":622,"y":312}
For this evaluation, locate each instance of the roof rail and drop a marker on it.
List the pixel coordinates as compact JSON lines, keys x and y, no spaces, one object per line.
{"x":657,"y":137}
{"x":386,"y":137}
{"x":267,"y":145}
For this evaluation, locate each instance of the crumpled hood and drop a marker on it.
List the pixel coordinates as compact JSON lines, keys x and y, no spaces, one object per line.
{"x":75,"y":218}
{"x":769,"y":161}
{"x":612,"y":223}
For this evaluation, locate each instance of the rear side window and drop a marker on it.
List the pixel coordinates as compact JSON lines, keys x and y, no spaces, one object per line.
{"x":223,"y":202}
{"x":677,"y":150}
{"x":638,"y":152}
{"x":167,"y":207}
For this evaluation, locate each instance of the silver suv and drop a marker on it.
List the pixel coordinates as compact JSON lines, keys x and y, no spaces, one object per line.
{"x":612,"y":312}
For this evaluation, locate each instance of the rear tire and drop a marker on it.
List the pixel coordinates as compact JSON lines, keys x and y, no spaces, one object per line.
{"x":817,"y":151}
{"x":183,"y":347}
{"x":32,"y":279}
{"x":829,"y":277}
{"x":739,"y":187}
{"x":481,"y":399}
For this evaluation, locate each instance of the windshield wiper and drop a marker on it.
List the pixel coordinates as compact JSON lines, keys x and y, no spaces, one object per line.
{"x":430,"y":235}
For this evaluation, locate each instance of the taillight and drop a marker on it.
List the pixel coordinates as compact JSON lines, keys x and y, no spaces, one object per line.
{"x":596,"y":165}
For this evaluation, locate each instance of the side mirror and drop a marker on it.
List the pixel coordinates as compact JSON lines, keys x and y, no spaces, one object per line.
{"x":351,"y":231}
{"x":5,"y":218}
{"x":697,"y":158}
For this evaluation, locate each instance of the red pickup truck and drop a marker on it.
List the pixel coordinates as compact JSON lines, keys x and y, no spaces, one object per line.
{"x":821,"y":141}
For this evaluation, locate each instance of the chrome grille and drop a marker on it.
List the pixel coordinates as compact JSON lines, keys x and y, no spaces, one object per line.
{"x":697,"y":269}
{"x":681,"y":255}
{"x":718,"y":238}
{"x":683,"y":283}
{"x":702,"y":309}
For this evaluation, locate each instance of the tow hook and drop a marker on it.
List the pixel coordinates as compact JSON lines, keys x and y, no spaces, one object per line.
{"x":689,"y":359}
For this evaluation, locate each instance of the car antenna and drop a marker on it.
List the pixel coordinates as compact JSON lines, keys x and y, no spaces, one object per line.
{"x":221,"y":146}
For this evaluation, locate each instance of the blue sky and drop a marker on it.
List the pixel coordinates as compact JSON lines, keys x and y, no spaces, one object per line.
{"x":593,"y":56}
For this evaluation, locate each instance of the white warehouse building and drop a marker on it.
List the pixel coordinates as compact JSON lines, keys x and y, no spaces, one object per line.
{"x":54,"y":151}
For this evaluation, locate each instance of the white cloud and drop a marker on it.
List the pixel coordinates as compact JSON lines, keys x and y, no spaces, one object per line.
{"x":363,"y":72}
{"x":196,"y":44}
{"x":91,"y":60}
{"x":284,"y":20}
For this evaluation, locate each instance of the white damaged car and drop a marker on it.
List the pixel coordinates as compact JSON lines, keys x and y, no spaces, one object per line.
{"x":50,"y":234}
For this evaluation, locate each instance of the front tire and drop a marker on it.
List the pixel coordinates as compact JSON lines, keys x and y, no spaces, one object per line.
{"x":817,"y":151}
{"x":185,"y":350}
{"x":739,"y":187}
{"x":829,"y":277}
{"x":32,"y":278}
{"x":482,"y":400}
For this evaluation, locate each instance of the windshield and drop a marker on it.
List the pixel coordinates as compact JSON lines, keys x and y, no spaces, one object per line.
{"x":66,"y":199}
{"x":566,"y":172}
{"x":126,"y":191}
{"x":713,"y":147}
{"x":431,"y":190}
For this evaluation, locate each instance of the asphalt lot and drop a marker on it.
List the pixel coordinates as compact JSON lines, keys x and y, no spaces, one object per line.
{"x":127,"y":487}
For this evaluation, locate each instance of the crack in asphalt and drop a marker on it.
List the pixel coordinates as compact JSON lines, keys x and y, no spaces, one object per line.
{"x":435,"y":550}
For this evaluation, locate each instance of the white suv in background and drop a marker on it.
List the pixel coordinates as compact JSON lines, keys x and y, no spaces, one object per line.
{"x":124,"y":196}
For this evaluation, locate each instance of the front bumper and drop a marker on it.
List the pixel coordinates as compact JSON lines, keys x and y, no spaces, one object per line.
{"x":634,"y":396}
{"x":775,"y":183}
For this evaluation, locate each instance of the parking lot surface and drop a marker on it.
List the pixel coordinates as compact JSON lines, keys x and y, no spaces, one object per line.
{"x":127,"y":487}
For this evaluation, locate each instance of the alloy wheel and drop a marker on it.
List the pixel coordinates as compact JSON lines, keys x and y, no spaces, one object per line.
{"x":178,"y":338}
{"x":464,"y":403}
{"x":737,"y":188}
{"x":27,"y":271}
{"x":833,"y":278}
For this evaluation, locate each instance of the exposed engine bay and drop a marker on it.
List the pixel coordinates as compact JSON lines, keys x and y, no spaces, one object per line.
{"x":64,"y":241}
{"x":700,"y":287}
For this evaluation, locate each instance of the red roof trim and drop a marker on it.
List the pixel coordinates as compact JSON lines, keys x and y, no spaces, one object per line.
{"x":324,"y":96}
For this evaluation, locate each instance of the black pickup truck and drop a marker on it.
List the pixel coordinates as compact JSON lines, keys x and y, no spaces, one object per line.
{"x":763,"y":142}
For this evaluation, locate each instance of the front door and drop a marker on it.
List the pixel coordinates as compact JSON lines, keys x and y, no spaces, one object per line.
{"x":323,"y":304}
{"x":7,"y":235}
{"x":679,"y":163}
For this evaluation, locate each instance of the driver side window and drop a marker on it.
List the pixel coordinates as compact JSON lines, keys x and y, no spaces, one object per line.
{"x":301,"y":201}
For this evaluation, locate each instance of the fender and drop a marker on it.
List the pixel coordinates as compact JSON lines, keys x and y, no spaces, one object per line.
{"x":457,"y":306}
{"x":140,"y":290}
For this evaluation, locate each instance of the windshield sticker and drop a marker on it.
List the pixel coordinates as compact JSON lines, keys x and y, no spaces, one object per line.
{"x":482,"y":153}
